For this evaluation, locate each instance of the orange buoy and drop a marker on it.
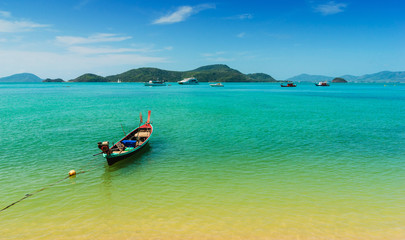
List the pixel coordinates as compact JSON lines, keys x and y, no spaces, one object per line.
{"x":72,"y":173}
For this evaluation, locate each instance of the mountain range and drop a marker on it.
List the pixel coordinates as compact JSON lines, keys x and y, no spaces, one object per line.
{"x":210,"y":73}
{"x":380,"y":77}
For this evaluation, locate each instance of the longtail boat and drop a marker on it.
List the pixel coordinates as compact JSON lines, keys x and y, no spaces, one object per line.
{"x":289,"y":84}
{"x":128,"y":145}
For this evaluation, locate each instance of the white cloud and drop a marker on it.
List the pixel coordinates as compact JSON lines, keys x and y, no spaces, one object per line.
{"x":97,"y":38}
{"x":279,"y":36}
{"x":5,"y":14}
{"x":8,"y":25}
{"x":241,"y":35}
{"x":217,"y":57}
{"x":69,"y":65}
{"x":94,"y":50}
{"x":91,"y":45}
{"x":77,"y":55}
{"x":220,"y":59}
{"x":19,"y":26}
{"x":182,"y":13}
{"x":241,"y":17}
{"x":178,"y":16}
{"x":330,"y":8}
{"x":82,"y":4}
{"x":212,"y":54}
{"x":245,"y":16}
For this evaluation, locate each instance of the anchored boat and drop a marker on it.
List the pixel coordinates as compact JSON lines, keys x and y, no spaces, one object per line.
{"x":289,"y":84}
{"x":216,"y":85}
{"x":128,"y":145}
{"x":154,"y":83}
{"x":322,"y":84}
{"x":188,"y":81}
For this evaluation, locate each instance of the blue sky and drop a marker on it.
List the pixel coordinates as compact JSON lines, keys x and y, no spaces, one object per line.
{"x":283,"y":38}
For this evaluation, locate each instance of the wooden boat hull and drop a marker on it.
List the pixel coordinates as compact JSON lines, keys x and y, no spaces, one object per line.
{"x":288,"y":86}
{"x":113,"y":159}
{"x":115,"y":155}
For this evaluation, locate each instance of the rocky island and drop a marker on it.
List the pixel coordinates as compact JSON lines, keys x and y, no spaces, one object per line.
{"x":53,"y":80}
{"x":339,"y":80}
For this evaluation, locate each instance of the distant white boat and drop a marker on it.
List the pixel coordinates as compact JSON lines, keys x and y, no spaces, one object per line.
{"x":189,"y":81}
{"x":322,"y":84}
{"x":154,"y":83}
{"x":216,"y":85}
{"x":118,"y":81}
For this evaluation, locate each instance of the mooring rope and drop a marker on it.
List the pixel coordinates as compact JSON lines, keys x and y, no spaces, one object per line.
{"x":31,"y":194}
{"x":50,"y":185}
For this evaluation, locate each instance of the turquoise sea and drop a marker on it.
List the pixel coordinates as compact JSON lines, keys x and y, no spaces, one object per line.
{"x":246,"y":161}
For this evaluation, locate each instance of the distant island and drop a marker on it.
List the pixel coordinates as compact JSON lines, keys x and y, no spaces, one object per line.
{"x":21,"y":78}
{"x":210,"y":73}
{"x":339,"y":80}
{"x":53,"y":80}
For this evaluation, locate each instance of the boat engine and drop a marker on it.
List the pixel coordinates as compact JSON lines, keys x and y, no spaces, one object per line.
{"x":104,"y":147}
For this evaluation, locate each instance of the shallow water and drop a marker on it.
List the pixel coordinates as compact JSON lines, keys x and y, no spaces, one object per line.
{"x":247,"y":161}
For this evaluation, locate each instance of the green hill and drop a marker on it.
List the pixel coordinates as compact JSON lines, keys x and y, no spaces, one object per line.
{"x":261,"y":77}
{"x":21,"y":77}
{"x":217,"y":73}
{"x":210,"y":73}
{"x":89,"y":77}
{"x":145,"y":74}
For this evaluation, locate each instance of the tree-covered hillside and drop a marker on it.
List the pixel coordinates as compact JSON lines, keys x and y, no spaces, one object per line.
{"x":261,"y":77}
{"x":145,"y":74}
{"x":89,"y":77}
{"x":211,"y":73}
